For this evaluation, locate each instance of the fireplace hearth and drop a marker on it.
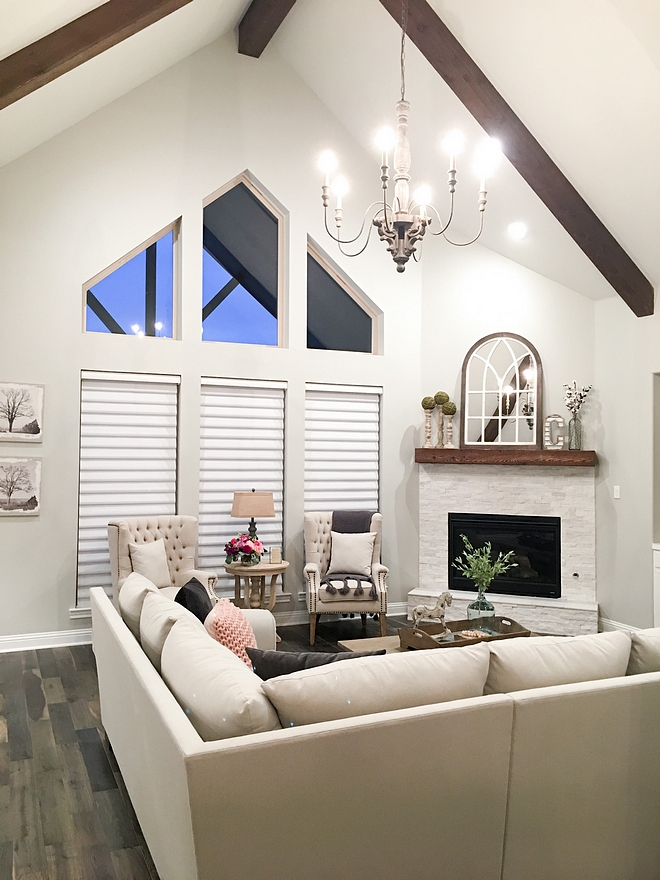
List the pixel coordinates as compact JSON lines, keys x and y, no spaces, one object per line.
{"x":535,"y":541}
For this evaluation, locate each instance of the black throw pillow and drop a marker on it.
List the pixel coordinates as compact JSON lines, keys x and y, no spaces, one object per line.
{"x":270,"y":664}
{"x":194,"y":597}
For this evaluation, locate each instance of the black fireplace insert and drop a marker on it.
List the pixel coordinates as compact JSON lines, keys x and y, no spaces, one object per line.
{"x":535,"y":541}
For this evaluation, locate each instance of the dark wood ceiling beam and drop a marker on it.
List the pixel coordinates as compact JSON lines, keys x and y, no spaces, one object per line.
{"x":257,"y":28}
{"x":446,"y":55}
{"x":77,"y":42}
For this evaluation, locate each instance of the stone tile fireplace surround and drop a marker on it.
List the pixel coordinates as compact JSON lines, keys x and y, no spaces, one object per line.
{"x":451,"y":483}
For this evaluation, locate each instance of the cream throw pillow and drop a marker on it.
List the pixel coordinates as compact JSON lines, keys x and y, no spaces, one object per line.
{"x":220,"y":695}
{"x":519,"y":664}
{"x":150,"y":560}
{"x":351,"y":553}
{"x":159,"y":614}
{"x":131,"y":596}
{"x":378,"y":684}
{"x":645,"y":651}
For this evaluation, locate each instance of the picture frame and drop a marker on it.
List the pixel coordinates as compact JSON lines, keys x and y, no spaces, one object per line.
{"x":21,"y":412}
{"x":20,"y":486}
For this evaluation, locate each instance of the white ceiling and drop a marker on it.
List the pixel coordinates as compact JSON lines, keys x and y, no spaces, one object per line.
{"x":583,"y":75}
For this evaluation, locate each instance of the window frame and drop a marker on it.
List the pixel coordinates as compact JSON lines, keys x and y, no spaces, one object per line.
{"x":356,"y":294}
{"x":282,"y":216}
{"x":175,"y":229}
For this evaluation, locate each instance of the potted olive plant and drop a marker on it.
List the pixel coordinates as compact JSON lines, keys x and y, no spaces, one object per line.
{"x":477,"y":565}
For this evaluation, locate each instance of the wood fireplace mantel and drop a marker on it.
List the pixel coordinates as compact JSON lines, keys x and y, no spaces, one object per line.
{"x":508,"y":456}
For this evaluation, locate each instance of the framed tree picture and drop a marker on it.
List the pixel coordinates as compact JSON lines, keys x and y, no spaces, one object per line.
{"x":20,"y":486}
{"x":21,"y":412}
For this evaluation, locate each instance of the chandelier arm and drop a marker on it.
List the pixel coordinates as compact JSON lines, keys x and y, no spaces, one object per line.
{"x":466,"y":243}
{"x":362,"y":249}
{"x":451,"y":216}
{"x":348,"y":240}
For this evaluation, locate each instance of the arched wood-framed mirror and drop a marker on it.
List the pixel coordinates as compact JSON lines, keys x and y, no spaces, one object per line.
{"x":502,"y":393}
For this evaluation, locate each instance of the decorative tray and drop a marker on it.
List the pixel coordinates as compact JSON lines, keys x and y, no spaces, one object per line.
{"x":461,"y":633}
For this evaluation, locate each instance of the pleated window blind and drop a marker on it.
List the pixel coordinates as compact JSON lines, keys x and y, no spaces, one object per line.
{"x":342,"y":447}
{"x":242,"y":448}
{"x":128,"y":462}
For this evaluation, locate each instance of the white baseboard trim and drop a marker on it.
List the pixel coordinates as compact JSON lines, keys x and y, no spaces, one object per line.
{"x":605,"y":625}
{"x":32,"y":641}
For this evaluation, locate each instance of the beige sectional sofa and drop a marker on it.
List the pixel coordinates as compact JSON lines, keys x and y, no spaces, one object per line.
{"x":558,"y":782}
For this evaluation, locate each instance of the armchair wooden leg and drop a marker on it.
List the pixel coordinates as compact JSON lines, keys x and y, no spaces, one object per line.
{"x":383,"y":623}
{"x":364,"y":621}
{"x":313,"y":619}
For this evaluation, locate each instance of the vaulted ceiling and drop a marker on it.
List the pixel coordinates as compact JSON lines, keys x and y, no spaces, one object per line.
{"x":582,"y":75}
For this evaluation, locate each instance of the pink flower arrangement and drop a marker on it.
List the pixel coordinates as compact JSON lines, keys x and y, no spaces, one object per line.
{"x":250,"y":550}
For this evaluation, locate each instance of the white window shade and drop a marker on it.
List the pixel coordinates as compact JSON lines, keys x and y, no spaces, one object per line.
{"x":128,"y":463}
{"x":242,"y":448}
{"x":342,"y":448}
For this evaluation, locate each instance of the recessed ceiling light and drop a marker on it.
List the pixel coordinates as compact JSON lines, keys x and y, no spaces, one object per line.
{"x":517,"y":230}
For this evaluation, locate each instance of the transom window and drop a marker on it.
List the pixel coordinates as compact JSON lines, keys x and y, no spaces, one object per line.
{"x":135,"y":295}
{"x":241,"y":268}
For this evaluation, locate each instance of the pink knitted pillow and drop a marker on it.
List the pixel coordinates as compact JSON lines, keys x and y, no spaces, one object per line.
{"x":229,"y":626}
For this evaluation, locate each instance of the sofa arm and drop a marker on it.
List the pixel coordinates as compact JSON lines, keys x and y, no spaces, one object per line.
{"x":206,"y":578}
{"x":263,"y":626}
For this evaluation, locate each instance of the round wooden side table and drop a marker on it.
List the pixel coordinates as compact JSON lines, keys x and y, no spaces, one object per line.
{"x":254,"y":577}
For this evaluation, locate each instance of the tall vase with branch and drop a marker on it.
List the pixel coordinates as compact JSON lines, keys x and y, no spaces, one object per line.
{"x":574,"y":397}
{"x":477,"y":565}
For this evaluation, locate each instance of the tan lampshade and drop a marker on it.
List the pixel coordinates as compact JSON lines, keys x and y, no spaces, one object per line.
{"x":253,"y":504}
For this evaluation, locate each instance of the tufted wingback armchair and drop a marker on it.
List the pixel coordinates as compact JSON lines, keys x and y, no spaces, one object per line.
{"x":180,"y":536}
{"x":318,"y":548}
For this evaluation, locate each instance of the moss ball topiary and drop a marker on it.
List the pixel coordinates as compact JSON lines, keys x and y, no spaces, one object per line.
{"x":441,"y":398}
{"x":428,"y":403}
{"x":449,"y":408}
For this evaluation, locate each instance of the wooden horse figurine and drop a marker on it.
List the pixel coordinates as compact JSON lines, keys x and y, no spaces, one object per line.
{"x":437,"y":612}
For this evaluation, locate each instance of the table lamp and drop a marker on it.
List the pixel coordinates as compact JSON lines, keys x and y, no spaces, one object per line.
{"x":251,"y":504}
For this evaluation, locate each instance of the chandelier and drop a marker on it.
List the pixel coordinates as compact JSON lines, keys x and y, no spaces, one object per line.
{"x":403,"y":222}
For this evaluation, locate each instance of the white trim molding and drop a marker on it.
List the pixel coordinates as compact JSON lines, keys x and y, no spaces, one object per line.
{"x":34,"y":641}
{"x":606,"y":625}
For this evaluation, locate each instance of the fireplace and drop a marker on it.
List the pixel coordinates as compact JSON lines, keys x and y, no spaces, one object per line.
{"x":535,"y":540}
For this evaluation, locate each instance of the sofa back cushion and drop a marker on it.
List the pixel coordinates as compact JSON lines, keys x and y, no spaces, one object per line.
{"x":644,"y":651}
{"x":159,"y":614}
{"x":378,"y":684}
{"x":131,"y":597}
{"x":519,"y":664}
{"x":220,"y":695}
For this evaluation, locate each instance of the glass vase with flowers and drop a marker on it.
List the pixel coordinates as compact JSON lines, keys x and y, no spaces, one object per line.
{"x":477,"y":565}
{"x":244,"y":549}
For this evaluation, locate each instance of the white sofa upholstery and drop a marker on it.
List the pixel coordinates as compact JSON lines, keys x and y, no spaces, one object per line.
{"x":180,"y":536}
{"x":556,"y":782}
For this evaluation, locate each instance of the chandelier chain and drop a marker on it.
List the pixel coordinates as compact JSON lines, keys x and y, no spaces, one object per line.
{"x":404,"y":25}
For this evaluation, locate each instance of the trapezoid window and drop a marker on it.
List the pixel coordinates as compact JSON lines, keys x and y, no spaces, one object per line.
{"x":336,"y":321}
{"x":135,"y":295}
{"x":240,"y":269}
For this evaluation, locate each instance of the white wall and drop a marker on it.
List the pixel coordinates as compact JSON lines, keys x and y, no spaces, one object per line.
{"x":627,"y":357}
{"x":84,"y":199}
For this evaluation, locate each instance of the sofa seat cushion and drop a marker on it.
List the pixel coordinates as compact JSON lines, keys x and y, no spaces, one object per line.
{"x":159,"y":614}
{"x":219,"y":694}
{"x":271,"y":664}
{"x":131,"y":596}
{"x":228,"y":625}
{"x":644,"y":651}
{"x":520,"y":664}
{"x":378,"y":684}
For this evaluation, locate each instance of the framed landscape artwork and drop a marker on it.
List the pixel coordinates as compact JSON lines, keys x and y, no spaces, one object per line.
{"x":20,"y":486}
{"x":21,"y":412}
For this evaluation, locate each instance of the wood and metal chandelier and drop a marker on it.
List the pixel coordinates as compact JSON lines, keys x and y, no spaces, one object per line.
{"x":402,"y":223}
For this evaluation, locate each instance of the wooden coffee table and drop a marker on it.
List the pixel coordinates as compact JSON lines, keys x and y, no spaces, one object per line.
{"x":390,"y":643}
{"x":393,"y":644}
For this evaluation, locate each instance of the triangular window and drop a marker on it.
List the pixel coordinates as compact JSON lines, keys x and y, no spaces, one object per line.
{"x":135,"y":295}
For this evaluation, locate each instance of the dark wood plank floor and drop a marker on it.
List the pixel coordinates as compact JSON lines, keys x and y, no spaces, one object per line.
{"x":64,"y":811}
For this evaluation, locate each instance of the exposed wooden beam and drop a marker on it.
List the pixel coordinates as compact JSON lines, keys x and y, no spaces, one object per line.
{"x":76,"y":42}
{"x":262,"y":18}
{"x":443,"y":51}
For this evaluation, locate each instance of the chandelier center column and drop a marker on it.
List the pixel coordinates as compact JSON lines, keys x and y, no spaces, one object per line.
{"x":402,"y":159}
